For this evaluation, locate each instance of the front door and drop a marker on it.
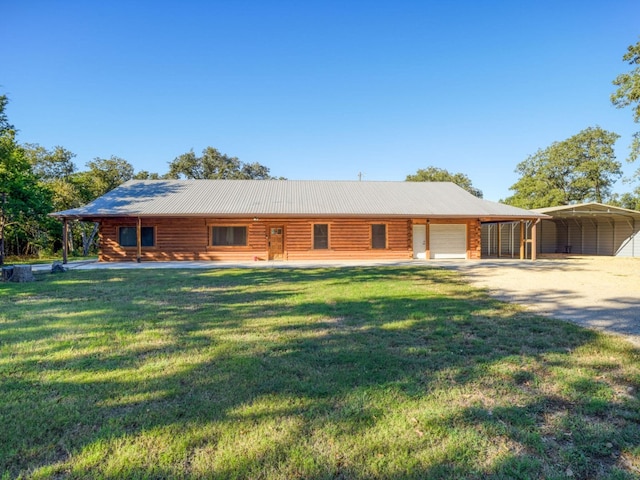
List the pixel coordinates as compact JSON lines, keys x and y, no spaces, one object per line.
{"x":276,"y":242}
{"x":420,"y":241}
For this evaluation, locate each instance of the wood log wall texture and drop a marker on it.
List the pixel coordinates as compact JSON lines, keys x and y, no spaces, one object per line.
{"x":349,"y":238}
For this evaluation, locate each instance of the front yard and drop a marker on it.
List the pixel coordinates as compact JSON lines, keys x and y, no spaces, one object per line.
{"x":389,"y":372}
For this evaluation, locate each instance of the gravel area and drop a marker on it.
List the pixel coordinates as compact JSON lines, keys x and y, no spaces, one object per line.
{"x":596,"y":292}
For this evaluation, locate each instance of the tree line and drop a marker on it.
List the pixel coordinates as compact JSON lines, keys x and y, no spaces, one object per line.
{"x":35,"y":181}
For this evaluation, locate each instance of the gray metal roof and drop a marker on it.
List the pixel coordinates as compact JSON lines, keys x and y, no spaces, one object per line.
{"x":255,"y":198}
{"x":591,"y":209}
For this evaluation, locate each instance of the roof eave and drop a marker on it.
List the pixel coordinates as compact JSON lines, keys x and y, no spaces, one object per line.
{"x":481,"y":217}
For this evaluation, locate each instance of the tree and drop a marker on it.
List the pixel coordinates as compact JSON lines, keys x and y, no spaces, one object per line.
{"x":104,"y":175}
{"x":434,"y":174}
{"x":628,"y":94}
{"x":627,"y":200}
{"x":145,"y":175}
{"x":214,"y":165}
{"x":56,"y":164}
{"x":578,"y":169}
{"x":24,"y":201}
{"x":5,"y":126}
{"x":55,"y":168}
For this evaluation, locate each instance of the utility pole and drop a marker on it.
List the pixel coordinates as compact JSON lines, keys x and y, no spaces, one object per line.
{"x":360,"y":175}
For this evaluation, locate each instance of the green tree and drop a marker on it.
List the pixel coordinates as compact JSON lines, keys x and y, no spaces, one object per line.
{"x":578,"y":169}
{"x":104,"y":175}
{"x":628,"y":93}
{"x":434,"y":174}
{"x":50,"y":164}
{"x":55,"y":168}
{"x":25,"y":202}
{"x":145,"y":175}
{"x":5,"y":126}
{"x":630,"y":200}
{"x":214,"y":165}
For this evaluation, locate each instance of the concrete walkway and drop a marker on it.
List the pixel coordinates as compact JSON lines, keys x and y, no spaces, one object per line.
{"x":92,"y":265}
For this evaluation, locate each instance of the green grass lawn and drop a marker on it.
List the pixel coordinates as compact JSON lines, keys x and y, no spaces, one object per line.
{"x":304,"y":373}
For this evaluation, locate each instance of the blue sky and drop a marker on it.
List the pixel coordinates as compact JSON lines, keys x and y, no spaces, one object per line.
{"x":318,"y":90}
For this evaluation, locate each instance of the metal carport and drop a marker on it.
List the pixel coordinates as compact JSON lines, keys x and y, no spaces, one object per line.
{"x":589,"y":229}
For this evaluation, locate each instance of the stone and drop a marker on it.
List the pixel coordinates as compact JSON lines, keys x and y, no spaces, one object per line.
{"x":58,"y":267}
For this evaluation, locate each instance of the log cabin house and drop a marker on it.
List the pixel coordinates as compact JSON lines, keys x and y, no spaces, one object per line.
{"x":246,"y":220}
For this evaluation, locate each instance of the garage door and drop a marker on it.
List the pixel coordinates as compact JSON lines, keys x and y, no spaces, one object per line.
{"x":448,"y":241}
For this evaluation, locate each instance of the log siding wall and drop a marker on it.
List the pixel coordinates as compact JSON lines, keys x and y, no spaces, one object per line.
{"x":349,"y":238}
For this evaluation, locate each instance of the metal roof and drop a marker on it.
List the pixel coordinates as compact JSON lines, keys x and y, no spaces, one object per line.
{"x":591,"y":209}
{"x":280,"y":198}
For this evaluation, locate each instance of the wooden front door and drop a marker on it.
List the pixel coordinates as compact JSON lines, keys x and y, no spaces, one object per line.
{"x":276,"y":242}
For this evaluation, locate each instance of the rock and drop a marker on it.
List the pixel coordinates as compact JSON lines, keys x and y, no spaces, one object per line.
{"x":57,"y":267}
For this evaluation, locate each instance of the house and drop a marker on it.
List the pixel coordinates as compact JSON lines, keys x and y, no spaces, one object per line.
{"x":240,"y":220}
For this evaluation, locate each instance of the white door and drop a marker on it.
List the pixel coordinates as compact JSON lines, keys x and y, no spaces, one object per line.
{"x":420,"y":241}
{"x":448,"y":240}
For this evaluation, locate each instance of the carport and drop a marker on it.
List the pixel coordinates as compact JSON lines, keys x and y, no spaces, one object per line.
{"x":589,"y":229}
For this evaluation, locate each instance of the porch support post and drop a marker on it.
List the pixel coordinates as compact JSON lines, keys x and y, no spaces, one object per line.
{"x":522,"y":244}
{"x":65,"y":240}
{"x":139,"y":240}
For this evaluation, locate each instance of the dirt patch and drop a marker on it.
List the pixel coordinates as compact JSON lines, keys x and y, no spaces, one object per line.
{"x":596,"y":292}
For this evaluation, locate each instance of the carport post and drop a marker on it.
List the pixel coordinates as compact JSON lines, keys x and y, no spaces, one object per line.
{"x":534,"y":240}
{"x":522,"y":244}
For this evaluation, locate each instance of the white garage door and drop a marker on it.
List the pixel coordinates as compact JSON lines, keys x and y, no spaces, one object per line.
{"x":448,"y":241}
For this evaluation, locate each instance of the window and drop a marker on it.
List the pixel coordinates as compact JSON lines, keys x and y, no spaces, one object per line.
{"x":379,"y":236}
{"x":229,"y":236}
{"x":321,"y":236}
{"x":128,"y":236}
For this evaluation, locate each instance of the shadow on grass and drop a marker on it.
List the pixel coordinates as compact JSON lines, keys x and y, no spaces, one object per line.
{"x":92,"y":361}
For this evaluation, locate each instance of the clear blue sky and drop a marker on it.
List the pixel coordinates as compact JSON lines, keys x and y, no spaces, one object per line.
{"x":318,"y":89}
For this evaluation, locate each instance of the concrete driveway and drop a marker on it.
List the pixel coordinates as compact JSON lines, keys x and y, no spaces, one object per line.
{"x":595,"y":292}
